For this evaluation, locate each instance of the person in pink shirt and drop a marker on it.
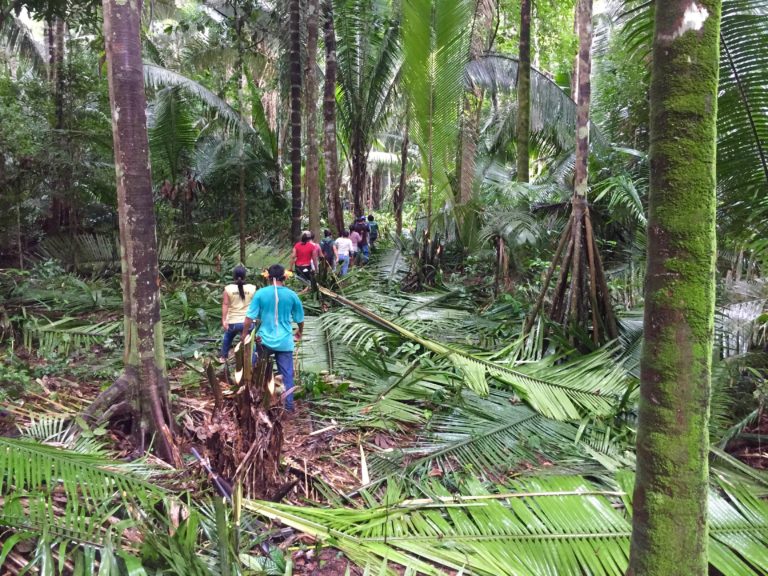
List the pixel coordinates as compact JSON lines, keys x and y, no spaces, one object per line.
{"x":355,"y":237}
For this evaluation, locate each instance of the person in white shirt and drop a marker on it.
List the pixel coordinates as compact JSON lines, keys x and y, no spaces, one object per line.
{"x":344,"y":248}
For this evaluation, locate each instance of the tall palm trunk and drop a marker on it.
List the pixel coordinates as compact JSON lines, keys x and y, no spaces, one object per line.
{"x":399,"y":198}
{"x":313,"y":172}
{"x":294,"y":58}
{"x":669,"y":527}
{"x":359,"y":172}
{"x":240,"y":136}
{"x":144,"y":355}
{"x":335,"y":210}
{"x":581,"y":294}
{"x":524,"y":92}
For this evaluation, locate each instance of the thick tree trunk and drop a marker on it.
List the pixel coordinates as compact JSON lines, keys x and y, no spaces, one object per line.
{"x":313,"y":169}
{"x":145,"y":360}
{"x":669,"y":528}
{"x":335,"y":210}
{"x":399,"y":196}
{"x":524,"y":92}
{"x":294,"y":58}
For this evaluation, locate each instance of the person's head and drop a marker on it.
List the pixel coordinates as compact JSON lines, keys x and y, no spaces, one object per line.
{"x":305,"y":237}
{"x":345,"y":233}
{"x":327,"y":233}
{"x":352,"y":227}
{"x":370,"y":217}
{"x":361,"y":219}
{"x":239,"y":275}
{"x":276,"y":272}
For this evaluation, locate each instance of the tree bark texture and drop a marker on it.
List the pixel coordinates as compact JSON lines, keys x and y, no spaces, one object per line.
{"x":669,"y":528}
{"x":524,"y":92}
{"x":240,"y":136}
{"x":335,"y":210}
{"x":583,"y":97}
{"x":359,"y":172}
{"x":145,"y":359}
{"x":399,"y":196}
{"x":294,"y":59}
{"x":313,"y":168}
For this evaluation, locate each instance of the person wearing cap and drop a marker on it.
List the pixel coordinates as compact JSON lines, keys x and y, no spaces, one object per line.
{"x":276,"y":307}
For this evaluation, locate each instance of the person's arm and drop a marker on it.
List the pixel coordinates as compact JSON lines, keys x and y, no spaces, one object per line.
{"x":335,"y":252}
{"x":224,"y":309}
{"x":298,"y":316}
{"x":293,"y":258}
{"x":250,"y":315}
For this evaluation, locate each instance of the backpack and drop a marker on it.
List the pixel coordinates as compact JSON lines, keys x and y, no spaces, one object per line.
{"x":374,"y":226}
{"x":326,"y":245}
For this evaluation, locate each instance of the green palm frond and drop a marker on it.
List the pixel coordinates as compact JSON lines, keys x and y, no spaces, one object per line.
{"x":435,"y":38}
{"x":172,"y":134}
{"x":66,"y":334}
{"x":92,"y":253}
{"x":561,"y":525}
{"x":17,"y":38}
{"x":593,"y":384}
{"x":159,"y":77}
{"x":369,"y":60}
{"x":70,"y":494}
{"x":742,"y":110}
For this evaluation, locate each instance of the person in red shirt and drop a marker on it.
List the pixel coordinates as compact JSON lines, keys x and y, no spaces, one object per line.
{"x":304,"y":258}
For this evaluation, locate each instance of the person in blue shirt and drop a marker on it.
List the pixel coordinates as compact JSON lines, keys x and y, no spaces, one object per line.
{"x":275,"y":307}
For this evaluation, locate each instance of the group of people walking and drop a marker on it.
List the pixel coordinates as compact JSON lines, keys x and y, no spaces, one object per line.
{"x":352,"y":247}
{"x":275,"y":307}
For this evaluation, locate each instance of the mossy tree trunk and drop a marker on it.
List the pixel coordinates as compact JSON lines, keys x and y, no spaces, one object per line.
{"x":669,"y":529}
{"x":310,"y":73}
{"x":335,"y":211}
{"x":144,"y":375}
{"x":294,"y":73}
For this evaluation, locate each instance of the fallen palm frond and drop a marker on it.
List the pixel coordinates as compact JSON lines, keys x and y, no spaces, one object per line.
{"x":561,"y":525}
{"x":69,"y":493}
{"x":593,"y":384}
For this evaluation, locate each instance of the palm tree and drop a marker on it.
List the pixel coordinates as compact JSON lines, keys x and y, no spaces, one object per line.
{"x":368,"y":52}
{"x":436,"y":36}
{"x":524,"y":92}
{"x":294,"y":73}
{"x":582,"y":269}
{"x":330,"y":153}
{"x":144,"y":356}
{"x":669,"y":532}
{"x":310,"y":73}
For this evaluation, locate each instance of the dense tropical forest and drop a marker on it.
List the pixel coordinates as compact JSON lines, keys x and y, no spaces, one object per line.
{"x":519,"y":245}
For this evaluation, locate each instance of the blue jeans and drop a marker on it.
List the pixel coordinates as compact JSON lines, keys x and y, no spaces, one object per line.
{"x":229,"y":335}
{"x":284,"y":368}
{"x":344,"y":261}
